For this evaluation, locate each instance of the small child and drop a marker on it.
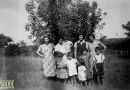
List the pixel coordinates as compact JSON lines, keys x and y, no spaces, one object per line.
{"x":82,"y":73}
{"x":71,"y":64}
{"x":99,"y":65}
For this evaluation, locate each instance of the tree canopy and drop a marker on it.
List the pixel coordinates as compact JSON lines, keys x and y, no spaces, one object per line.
{"x":60,"y":18}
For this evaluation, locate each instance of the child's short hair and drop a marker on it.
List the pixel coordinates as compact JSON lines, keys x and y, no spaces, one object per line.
{"x":82,"y":62}
{"x":97,"y":48}
{"x":85,"y":49}
{"x":70,"y":54}
{"x":58,"y":54}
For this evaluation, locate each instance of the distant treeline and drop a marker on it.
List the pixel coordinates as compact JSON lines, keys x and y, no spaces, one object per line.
{"x":15,"y":50}
{"x":112,"y":44}
{"x":118,"y":44}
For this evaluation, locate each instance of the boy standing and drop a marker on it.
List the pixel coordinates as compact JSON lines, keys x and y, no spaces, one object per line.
{"x":99,"y":65}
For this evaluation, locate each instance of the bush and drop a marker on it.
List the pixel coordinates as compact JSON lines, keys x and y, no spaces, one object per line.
{"x":12,"y":50}
{"x":15,"y":50}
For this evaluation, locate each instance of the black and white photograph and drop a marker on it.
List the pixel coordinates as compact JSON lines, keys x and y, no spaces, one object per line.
{"x":64,"y":44}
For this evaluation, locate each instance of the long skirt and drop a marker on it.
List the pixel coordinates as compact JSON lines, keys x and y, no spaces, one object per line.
{"x":49,"y":66}
{"x":61,"y":70}
{"x":89,"y":73}
{"x":62,"y":73}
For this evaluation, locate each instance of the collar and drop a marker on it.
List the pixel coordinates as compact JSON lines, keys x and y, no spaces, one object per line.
{"x":60,"y":45}
{"x":81,"y":42}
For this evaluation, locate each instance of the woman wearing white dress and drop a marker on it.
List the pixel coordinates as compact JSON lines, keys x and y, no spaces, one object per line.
{"x":46,"y":52}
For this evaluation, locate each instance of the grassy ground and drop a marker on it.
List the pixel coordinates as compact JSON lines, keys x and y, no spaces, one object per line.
{"x":28,"y":75}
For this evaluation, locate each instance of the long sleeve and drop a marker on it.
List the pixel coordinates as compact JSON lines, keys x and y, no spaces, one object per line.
{"x":91,"y":62}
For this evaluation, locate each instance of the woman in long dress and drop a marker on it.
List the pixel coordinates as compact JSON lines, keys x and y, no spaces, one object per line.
{"x":46,"y":52}
{"x":92,"y":45}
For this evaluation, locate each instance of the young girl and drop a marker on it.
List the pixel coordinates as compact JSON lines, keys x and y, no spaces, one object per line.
{"x":85,"y":56}
{"x":71,"y":64}
{"x":82,"y":73}
{"x":99,"y":66}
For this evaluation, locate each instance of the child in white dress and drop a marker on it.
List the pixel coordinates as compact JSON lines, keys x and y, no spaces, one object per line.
{"x":71,"y":64}
{"x":82,"y":73}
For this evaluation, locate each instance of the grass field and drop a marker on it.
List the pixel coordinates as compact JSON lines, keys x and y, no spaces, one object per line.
{"x":27,"y":74}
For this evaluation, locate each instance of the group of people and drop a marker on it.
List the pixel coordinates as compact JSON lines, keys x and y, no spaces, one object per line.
{"x":81,"y":65}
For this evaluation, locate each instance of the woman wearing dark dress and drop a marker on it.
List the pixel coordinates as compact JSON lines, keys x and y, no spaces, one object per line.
{"x":79,"y":45}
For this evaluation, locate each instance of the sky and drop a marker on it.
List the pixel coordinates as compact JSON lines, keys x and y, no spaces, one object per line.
{"x":13,"y":18}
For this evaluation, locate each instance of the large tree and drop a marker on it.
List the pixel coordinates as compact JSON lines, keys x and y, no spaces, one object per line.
{"x":63,"y":18}
{"x":127,"y":27}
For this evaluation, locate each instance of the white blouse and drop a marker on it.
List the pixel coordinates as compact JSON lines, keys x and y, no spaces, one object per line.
{"x":60,"y":48}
